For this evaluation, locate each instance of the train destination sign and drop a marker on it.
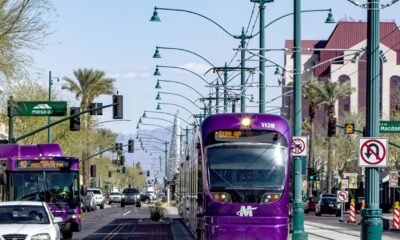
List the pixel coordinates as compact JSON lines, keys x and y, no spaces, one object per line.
{"x":40,"y":108}
{"x":36,"y":164}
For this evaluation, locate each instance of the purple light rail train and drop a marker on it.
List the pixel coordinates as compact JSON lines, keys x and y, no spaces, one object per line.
{"x":234,"y":179}
{"x":41,"y":172}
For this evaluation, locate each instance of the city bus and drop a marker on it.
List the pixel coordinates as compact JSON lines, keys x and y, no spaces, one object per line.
{"x":41,"y":173}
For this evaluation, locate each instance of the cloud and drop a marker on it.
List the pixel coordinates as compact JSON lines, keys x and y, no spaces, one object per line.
{"x":198,"y":68}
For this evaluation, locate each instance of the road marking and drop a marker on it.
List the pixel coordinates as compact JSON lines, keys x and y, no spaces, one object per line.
{"x":126,"y":213}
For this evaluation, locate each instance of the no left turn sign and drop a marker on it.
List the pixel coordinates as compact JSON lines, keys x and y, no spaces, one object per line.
{"x":372,"y":152}
{"x":342,"y":196}
{"x":299,"y":146}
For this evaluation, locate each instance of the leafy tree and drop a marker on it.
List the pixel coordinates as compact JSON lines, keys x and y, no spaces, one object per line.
{"x":314,"y":102}
{"x":88,"y":85}
{"x":24,"y":24}
{"x":330,"y":93}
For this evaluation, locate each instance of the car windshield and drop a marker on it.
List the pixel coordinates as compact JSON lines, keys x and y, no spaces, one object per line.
{"x":329,"y":199}
{"x":130,"y":191}
{"x":21,"y":214}
{"x":45,"y":186}
{"x":95,"y":191}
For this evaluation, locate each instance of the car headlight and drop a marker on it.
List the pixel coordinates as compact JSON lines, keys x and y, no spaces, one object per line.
{"x":221,"y":196}
{"x":41,"y":236}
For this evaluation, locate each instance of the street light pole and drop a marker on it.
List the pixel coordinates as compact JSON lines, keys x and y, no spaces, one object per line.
{"x":371,"y":227}
{"x":48,"y":118}
{"x":298,"y":209}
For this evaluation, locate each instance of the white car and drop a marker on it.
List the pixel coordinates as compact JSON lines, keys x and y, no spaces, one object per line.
{"x":100,"y":199}
{"x":28,"y":220}
{"x":115,"y":197}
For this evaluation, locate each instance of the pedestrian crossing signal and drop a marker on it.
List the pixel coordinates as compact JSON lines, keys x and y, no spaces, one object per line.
{"x":349,"y":128}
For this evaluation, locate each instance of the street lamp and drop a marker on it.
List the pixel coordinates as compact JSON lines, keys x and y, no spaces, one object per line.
{"x":158,"y":85}
{"x":167,"y":113}
{"x":48,"y":118}
{"x":243,"y":37}
{"x":158,"y":97}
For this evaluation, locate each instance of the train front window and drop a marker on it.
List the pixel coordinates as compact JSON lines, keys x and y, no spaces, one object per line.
{"x":247,"y":172}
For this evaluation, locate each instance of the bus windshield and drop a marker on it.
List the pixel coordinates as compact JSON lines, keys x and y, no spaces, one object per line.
{"x":45,"y":186}
{"x":247,"y":170}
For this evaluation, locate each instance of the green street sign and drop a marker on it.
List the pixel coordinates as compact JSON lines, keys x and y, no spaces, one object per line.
{"x":389,"y":126}
{"x":40,"y":108}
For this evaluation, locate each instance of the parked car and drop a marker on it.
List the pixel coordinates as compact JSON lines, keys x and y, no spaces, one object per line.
{"x":115,"y":197}
{"x":100,"y":199}
{"x":327,"y":204}
{"x":30,"y":219}
{"x":310,"y":204}
{"x":145,"y":197}
{"x":88,"y":202}
{"x":131,"y":196}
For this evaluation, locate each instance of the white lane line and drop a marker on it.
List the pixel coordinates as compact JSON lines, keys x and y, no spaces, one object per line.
{"x":126,"y":213}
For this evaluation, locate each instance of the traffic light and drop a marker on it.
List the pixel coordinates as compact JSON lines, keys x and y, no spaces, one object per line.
{"x":75,"y":122}
{"x":331,"y":127}
{"x":131,"y":145}
{"x":109,"y":173}
{"x":123,"y":169}
{"x":98,"y":111}
{"x":148,"y":173}
{"x":122,"y":160}
{"x":117,"y":108}
{"x":118,"y":146}
{"x":93,"y":170}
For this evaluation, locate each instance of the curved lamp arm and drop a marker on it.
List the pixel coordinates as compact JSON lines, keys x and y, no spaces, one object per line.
{"x":179,"y":95}
{"x":198,"y":14}
{"x":185,"y":50}
{"x":184,"y":84}
{"x":185,"y":69}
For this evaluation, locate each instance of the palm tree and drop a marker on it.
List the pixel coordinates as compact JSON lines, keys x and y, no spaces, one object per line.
{"x":314,"y":102}
{"x":330,"y":93}
{"x":89,"y":84}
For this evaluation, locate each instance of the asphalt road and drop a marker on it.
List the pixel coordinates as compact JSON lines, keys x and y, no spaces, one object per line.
{"x":117,"y":223}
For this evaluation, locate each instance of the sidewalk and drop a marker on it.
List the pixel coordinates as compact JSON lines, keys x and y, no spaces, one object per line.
{"x":178,"y":228}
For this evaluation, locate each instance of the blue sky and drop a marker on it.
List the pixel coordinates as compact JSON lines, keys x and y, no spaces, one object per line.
{"x":117,"y":37}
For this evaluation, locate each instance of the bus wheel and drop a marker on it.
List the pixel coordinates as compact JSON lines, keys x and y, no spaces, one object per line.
{"x":67,"y":235}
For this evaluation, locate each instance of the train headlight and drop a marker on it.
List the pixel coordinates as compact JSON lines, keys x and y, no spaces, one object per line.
{"x":271,"y":197}
{"x":221,"y":196}
{"x":245,"y":122}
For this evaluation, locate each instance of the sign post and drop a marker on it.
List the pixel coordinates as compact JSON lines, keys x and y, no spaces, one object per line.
{"x":393,"y":179}
{"x":299,"y":146}
{"x":342,"y":197}
{"x":372,"y":152}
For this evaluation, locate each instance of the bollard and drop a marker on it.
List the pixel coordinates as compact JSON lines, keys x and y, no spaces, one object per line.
{"x":396,"y":217}
{"x":352,"y":216}
{"x":362,"y":207}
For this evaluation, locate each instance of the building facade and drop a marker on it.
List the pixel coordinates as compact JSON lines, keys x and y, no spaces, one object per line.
{"x":342,"y":58}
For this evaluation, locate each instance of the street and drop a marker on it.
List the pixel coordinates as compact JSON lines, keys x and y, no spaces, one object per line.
{"x":131,"y":222}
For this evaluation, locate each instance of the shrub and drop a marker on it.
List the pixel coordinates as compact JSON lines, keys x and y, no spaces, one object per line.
{"x":157,"y":212}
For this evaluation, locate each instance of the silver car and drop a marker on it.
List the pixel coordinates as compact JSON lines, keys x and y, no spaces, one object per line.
{"x":88,"y":202}
{"x":100,"y":199}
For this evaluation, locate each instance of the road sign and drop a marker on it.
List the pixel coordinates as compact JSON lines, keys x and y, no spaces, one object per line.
{"x":299,"y":146}
{"x":349,"y":128}
{"x":372,"y":152}
{"x":389,"y":126}
{"x":344,"y":184}
{"x":352,"y":179}
{"x":40,"y":108}
{"x":342,"y":196}
{"x":394,"y":179}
